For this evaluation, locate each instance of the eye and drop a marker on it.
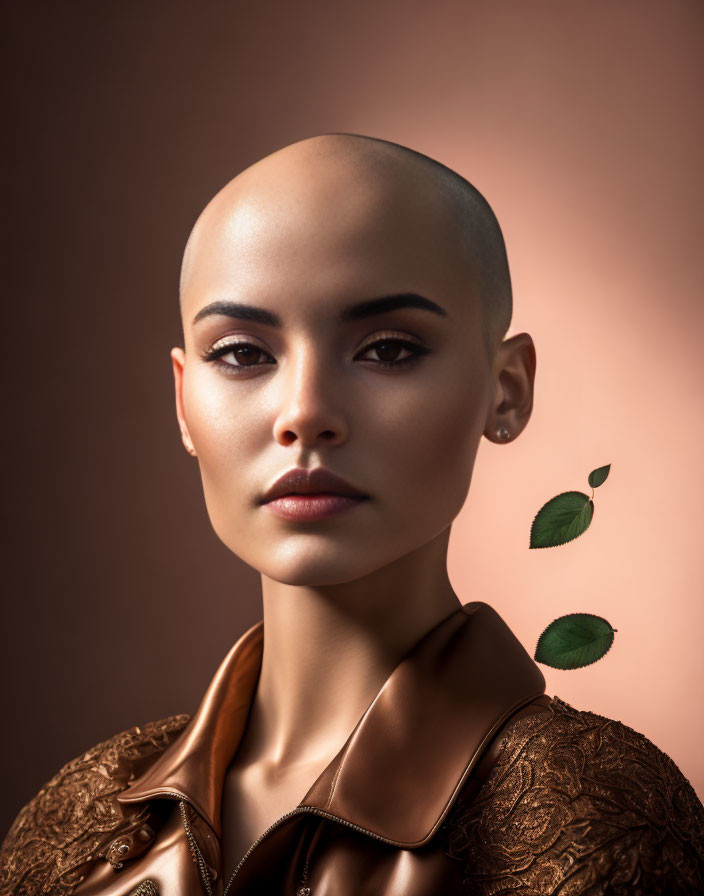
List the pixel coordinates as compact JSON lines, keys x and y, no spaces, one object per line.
{"x":389,"y":348}
{"x":244,"y":354}
{"x":247,"y":354}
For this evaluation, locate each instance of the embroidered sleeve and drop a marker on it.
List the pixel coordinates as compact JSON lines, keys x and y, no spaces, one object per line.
{"x":73,"y":815}
{"x":579,"y":805}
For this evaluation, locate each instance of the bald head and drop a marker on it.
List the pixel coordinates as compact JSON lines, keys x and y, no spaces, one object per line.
{"x":351,"y":167}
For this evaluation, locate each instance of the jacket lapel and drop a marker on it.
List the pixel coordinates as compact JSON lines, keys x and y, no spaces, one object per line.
{"x":194,"y":765}
{"x":408,"y":756}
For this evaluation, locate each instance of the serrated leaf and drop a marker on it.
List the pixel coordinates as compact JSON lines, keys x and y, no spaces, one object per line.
{"x":573,"y":641}
{"x":598,"y":477}
{"x":561,"y":519}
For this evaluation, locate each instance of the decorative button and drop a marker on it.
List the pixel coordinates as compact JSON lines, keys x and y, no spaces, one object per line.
{"x":117,"y":851}
{"x":303,"y":891}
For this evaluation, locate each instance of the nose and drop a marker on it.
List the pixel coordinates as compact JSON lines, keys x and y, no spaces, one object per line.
{"x":309,"y":409}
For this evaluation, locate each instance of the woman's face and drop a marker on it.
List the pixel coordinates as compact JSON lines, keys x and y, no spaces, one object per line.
{"x":394,"y":401}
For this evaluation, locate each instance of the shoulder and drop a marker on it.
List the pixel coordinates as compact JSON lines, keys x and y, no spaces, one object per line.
{"x":76,"y":812}
{"x":579,"y":803}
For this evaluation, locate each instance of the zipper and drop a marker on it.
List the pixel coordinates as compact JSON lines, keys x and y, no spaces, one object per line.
{"x":297,"y":811}
{"x":146,"y":888}
{"x":183,"y":800}
{"x":198,"y":855}
{"x":195,"y":849}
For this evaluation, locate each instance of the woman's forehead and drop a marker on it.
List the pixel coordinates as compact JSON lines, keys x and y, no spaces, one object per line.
{"x":337,"y":229}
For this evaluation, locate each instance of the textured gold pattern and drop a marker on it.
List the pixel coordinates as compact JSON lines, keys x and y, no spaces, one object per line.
{"x":579,"y":804}
{"x":576,"y":804}
{"x":76,"y":814}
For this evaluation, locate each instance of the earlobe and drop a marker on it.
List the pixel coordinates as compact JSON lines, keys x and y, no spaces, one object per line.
{"x":498,"y":433}
{"x":178,"y":360}
{"x":513,"y":400}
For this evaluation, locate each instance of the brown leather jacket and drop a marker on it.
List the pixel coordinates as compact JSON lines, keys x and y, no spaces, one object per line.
{"x":461,"y":777}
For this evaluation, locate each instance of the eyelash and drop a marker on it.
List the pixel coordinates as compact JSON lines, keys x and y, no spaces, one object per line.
{"x":216,"y":353}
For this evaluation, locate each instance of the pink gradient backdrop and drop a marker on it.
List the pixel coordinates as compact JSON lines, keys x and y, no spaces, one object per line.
{"x":583,"y":127}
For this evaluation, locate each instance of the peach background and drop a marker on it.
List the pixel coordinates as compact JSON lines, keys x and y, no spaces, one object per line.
{"x":581,"y":123}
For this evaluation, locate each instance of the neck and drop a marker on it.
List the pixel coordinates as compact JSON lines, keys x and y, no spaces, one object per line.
{"x":328,"y":650}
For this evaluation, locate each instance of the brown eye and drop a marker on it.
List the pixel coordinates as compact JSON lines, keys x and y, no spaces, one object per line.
{"x":235,"y":356}
{"x":388,"y":350}
{"x":246,"y":355}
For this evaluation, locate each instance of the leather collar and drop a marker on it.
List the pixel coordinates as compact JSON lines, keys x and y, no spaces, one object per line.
{"x":409,"y":754}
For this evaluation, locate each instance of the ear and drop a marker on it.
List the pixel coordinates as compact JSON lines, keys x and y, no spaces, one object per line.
{"x":178,"y":361}
{"x":514,"y":373}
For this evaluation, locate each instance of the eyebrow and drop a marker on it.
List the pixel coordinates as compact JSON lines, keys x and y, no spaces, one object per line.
{"x":357,"y":311}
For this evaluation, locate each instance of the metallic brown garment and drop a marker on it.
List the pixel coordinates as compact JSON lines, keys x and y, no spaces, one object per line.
{"x":462,"y":777}
{"x":580,"y":804}
{"x":76,"y":814}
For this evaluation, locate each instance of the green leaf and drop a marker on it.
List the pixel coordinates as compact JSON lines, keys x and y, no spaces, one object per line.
{"x":598,"y":477}
{"x":562,"y":519}
{"x":573,"y":641}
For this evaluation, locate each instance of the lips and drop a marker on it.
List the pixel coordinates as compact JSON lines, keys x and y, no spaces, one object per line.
{"x":317,"y":481}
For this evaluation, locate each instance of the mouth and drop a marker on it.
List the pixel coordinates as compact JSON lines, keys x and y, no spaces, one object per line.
{"x":302,"y":494}
{"x":317,"y":481}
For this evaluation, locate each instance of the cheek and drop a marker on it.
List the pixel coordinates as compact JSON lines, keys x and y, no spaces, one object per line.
{"x":430,"y":442}
{"x":227,"y":437}
{"x":215,"y":422}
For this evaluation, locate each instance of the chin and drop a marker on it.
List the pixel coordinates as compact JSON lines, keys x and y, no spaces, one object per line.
{"x":315,"y":566}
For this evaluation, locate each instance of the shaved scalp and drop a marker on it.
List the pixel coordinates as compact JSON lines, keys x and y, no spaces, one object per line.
{"x":478,"y":230}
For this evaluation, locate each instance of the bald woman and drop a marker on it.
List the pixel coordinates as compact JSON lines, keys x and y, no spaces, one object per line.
{"x":344,"y":305}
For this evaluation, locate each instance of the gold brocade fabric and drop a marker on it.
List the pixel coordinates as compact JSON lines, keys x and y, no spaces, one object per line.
{"x":76,"y":813}
{"x":579,"y":804}
{"x":575,"y":804}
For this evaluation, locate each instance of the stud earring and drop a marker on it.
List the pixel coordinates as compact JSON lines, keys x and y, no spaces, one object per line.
{"x":503,"y":433}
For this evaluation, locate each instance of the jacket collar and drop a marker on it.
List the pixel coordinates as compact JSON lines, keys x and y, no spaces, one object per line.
{"x":408,"y":756}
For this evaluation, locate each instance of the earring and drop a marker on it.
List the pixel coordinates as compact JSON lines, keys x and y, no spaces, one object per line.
{"x":503,"y":433}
